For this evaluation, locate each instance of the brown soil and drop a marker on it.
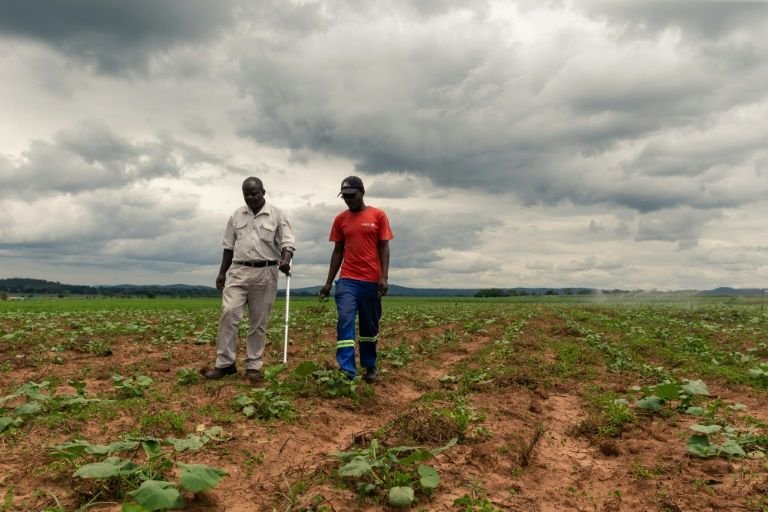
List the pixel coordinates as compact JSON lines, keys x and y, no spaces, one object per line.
{"x":528,"y":455}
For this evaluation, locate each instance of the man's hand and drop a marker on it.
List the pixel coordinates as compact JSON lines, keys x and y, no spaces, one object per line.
{"x":383,"y":286}
{"x":220,"y":282}
{"x":284,"y":266}
{"x":324,"y":291}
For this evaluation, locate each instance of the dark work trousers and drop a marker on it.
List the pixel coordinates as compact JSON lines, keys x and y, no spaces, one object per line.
{"x":357,"y":299}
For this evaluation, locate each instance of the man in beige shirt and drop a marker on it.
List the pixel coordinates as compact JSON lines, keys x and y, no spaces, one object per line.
{"x":258,"y":241}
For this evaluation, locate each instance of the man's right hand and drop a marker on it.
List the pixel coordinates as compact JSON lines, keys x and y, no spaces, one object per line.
{"x":324,"y":292}
{"x":220,"y":282}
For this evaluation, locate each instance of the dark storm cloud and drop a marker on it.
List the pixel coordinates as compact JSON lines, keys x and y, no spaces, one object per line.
{"x":735,"y":259}
{"x":91,"y":156}
{"x":126,"y":225}
{"x":114,"y":36}
{"x":396,"y":186}
{"x":419,"y":235}
{"x":683,"y":226}
{"x":705,"y":18}
{"x":458,"y":105}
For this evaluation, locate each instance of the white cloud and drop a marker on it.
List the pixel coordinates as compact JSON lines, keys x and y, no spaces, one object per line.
{"x":563,"y":143}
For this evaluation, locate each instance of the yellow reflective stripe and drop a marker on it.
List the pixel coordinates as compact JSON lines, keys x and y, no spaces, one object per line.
{"x":345,"y":343}
{"x":368,"y":339}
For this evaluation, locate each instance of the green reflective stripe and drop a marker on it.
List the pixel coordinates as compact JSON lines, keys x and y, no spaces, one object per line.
{"x":368,"y":339}
{"x":345,"y":343}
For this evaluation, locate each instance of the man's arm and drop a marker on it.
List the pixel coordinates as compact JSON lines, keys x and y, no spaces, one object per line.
{"x":384,"y":265}
{"x":226,"y":262}
{"x":285,"y":261}
{"x":337,"y":256}
{"x":287,"y":241}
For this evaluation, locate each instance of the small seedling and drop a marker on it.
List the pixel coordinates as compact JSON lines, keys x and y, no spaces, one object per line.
{"x":187,"y":376}
{"x":130,"y":387}
{"x":376,"y":469}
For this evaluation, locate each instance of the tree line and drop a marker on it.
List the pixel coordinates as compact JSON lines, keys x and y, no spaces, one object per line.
{"x":27,"y":286}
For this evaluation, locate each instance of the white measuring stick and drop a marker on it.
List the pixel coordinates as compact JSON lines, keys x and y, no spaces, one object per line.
{"x":287,"y":311}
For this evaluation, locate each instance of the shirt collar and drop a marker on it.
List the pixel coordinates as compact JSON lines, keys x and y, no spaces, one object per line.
{"x":265,"y":210}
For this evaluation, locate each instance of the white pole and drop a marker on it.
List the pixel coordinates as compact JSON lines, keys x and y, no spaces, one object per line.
{"x":287,"y":309}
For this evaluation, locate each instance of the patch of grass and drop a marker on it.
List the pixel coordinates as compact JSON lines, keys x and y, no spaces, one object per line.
{"x":164,"y":423}
{"x":475,"y":500}
{"x":98,"y":348}
{"x":265,"y":404}
{"x":607,"y":414}
{"x":187,"y":377}
{"x":7,"y":500}
{"x":575,"y":361}
{"x":431,"y":424}
{"x":219,"y":414}
{"x":642,"y":472}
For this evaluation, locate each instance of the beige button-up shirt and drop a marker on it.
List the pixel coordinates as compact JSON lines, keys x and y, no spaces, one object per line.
{"x":259,"y":237}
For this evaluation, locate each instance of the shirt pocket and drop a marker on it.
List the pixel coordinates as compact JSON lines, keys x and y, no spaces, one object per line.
{"x":267,"y":233}
{"x":240,"y":228}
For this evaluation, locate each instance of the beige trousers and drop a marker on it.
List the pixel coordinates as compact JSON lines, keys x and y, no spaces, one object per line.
{"x":256,"y":287}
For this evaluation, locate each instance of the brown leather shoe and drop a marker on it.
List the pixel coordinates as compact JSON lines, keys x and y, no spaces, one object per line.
{"x":253,"y":377}
{"x":218,"y":373}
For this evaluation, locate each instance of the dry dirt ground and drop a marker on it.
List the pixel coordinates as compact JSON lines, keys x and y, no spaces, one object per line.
{"x":520,"y":373}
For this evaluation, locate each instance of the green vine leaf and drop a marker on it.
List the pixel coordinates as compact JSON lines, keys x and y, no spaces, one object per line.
{"x":113,"y":466}
{"x":358,"y":466}
{"x":157,"y":495}
{"x":706,"y":429}
{"x":401,"y":496}
{"x":429,"y":477}
{"x":649,"y":403}
{"x":199,"y":477}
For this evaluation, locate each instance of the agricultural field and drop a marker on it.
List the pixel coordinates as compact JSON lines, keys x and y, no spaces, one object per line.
{"x":482,"y":405}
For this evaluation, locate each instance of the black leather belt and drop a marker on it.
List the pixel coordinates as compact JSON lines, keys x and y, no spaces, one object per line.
{"x":258,"y":264}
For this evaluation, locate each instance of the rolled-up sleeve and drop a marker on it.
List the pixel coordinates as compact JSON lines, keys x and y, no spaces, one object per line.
{"x":286,"y":239}
{"x":228,"y":242}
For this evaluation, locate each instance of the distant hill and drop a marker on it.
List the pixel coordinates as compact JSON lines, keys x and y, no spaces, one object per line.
{"x":27,"y":286}
{"x":397,"y":291}
{"x":403,"y":291}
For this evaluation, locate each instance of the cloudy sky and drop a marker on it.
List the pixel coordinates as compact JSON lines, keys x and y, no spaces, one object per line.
{"x":598,"y":143}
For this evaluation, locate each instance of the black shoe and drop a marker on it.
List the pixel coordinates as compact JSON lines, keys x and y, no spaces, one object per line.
{"x":218,"y":373}
{"x":253,"y":377}
{"x":371,"y":374}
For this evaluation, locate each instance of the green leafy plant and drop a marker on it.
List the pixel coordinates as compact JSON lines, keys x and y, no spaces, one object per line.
{"x":33,"y":399}
{"x":474,"y":504}
{"x":680,"y":395}
{"x":130,"y":387}
{"x":265,"y":404}
{"x":700,"y":444}
{"x":145,"y":482}
{"x":396,"y":471}
{"x":98,"y":347}
{"x":397,"y":356}
{"x":607,"y":414}
{"x":187,"y":377}
{"x":335,"y":383}
{"x":760,"y":373}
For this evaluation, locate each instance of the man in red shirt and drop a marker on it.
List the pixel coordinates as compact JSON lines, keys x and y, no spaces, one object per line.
{"x":361,"y":235}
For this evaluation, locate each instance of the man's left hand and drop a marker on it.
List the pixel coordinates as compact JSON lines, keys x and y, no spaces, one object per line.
{"x":383,"y":287}
{"x":284,"y":266}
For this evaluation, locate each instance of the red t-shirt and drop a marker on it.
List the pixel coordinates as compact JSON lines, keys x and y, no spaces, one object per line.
{"x":361,"y":232}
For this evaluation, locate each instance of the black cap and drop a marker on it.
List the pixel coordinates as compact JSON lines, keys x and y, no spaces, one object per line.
{"x":351,"y":184}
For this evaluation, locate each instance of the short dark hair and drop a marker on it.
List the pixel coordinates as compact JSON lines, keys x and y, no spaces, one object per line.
{"x":257,"y":181}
